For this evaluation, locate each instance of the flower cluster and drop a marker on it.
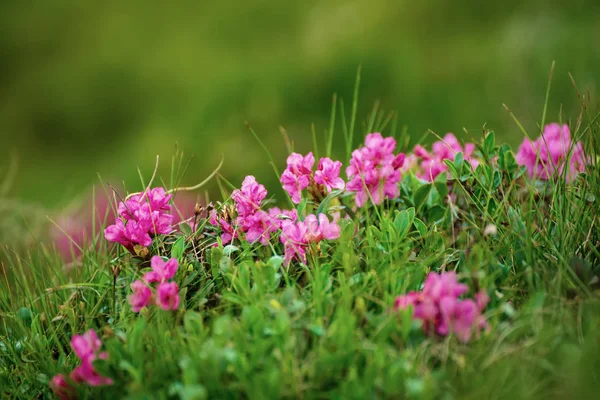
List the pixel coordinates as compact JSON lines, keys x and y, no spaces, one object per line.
{"x":427,"y":166}
{"x":374,"y":170}
{"x":167,"y":293}
{"x":299,"y":175}
{"x":254,"y":223}
{"x":439,"y":307}
{"x":140,"y":218}
{"x":87,"y":348}
{"x":549,"y":154}
{"x":297,"y":236}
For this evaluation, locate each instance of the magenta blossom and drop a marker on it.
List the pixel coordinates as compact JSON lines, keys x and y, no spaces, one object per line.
{"x":299,"y":175}
{"x":161,"y":270}
{"x":167,"y":296}
{"x":254,"y":224}
{"x":553,"y":152}
{"x":249,"y":198}
{"x":328,"y":174}
{"x":297,"y":236}
{"x":279,"y":216}
{"x":61,"y":388}
{"x":439,"y":308}
{"x":374,"y":170}
{"x":87,"y":347}
{"x":427,"y":166}
{"x":141,"y":297}
{"x":140,"y":217}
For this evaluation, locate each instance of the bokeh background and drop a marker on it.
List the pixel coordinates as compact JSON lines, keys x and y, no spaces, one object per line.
{"x":90,"y":88}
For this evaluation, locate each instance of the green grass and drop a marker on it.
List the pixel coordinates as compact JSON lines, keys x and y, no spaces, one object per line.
{"x":250,"y":328}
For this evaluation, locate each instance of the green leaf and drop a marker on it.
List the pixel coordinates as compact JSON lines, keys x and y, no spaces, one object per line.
{"x":186,"y":229}
{"x":301,"y":207}
{"x":230,"y":249}
{"x":178,"y":248}
{"x":421,"y":195}
{"x":489,"y":144}
{"x":436,"y":212}
{"x":324,"y":206}
{"x":421,"y":227}
{"x":452,"y":169}
{"x":458,"y":162}
{"x":402,"y":223}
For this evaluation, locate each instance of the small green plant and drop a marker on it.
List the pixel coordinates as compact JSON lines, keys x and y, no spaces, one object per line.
{"x":455,"y":272}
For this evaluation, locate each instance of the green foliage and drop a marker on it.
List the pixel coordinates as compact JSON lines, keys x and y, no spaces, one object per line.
{"x":249,"y":327}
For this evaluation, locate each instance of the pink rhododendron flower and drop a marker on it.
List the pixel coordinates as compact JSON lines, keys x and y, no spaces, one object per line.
{"x":549,"y":155}
{"x":249,"y":198}
{"x":141,"y":297}
{"x":439,"y":308}
{"x":328,"y":174}
{"x":167,"y":296}
{"x":61,"y":388}
{"x":229,"y":232}
{"x":297,"y":236}
{"x":427,"y":166}
{"x":258,"y":227}
{"x":86,"y":345}
{"x":278,"y":216}
{"x":141,"y":216}
{"x":256,"y":224}
{"x":87,"y":348}
{"x":299,"y":175}
{"x":161,"y":270}
{"x":374,"y":170}
{"x":300,"y":165}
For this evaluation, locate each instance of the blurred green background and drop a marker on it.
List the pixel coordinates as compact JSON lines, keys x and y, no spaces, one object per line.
{"x":102,"y":87}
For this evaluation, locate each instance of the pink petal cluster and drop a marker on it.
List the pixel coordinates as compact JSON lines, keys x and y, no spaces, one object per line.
{"x":439,"y":307}
{"x":428,"y":166}
{"x":167,"y":293}
{"x":140,"y":218}
{"x":256,"y":224}
{"x":548,"y":155}
{"x":374,"y":170}
{"x":299,"y":175}
{"x":87,"y":348}
{"x":296,"y":236}
{"x":61,"y":388}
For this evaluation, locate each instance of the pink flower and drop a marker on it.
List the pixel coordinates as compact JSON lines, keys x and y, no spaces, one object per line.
{"x":87,"y":348}
{"x":86,"y":345}
{"x":549,"y":155}
{"x":159,"y":199}
{"x":279,"y":216}
{"x":328,"y":174}
{"x":319,"y":228}
{"x":404,"y":301}
{"x":144,"y":214}
{"x":248,"y":199}
{"x":61,"y":388}
{"x":167,"y":296}
{"x":297,"y":236}
{"x":428,"y":166}
{"x":300,"y":165}
{"x":299,"y":175}
{"x":137,"y":232}
{"x":439,"y":308}
{"x":293,"y":237}
{"x":86,"y":372}
{"x":116,"y":233}
{"x":141,"y":297}
{"x":258,"y":227}
{"x":161,"y":270}
{"x":374,"y":170}
{"x":294,"y":184}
